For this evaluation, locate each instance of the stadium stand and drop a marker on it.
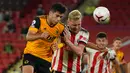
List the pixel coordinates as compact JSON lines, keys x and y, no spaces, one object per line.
{"x":21,"y":16}
{"x":119,"y":26}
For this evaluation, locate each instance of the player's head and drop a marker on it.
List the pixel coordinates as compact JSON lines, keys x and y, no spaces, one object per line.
{"x":117,"y":42}
{"x":74,"y":21}
{"x":56,"y":13}
{"x":101,"y":40}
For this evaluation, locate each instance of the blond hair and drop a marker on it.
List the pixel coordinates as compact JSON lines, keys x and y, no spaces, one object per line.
{"x":75,"y":15}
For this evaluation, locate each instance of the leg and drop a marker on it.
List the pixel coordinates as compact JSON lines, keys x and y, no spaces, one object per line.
{"x":42,"y":70}
{"x":43,"y":66}
{"x":27,"y":69}
{"x":28,"y":63}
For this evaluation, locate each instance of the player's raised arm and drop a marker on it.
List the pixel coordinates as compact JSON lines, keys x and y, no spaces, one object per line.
{"x":92,"y":45}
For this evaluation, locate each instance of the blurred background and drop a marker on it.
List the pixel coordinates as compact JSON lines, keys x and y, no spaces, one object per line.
{"x":17,"y":15}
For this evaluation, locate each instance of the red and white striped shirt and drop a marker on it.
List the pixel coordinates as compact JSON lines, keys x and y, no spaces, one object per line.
{"x":68,"y":61}
{"x":97,"y":64}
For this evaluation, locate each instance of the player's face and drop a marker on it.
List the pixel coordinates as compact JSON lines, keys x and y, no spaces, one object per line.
{"x":74,"y":25}
{"x":55,"y":17}
{"x":102,"y":42}
{"x":117,"y":44}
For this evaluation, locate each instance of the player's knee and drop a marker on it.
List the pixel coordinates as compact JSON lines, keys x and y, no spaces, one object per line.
{"x":27,"y":69}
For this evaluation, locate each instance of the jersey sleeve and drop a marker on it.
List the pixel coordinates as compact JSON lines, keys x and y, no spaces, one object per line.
{"x":35,"y":25}
{"x":83,"y":38}
{"x":89,"y":50}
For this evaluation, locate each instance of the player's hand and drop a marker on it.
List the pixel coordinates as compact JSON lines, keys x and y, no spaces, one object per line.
{"x":67,"y":35}
{"x":67,"y":48}
{"x":54,"y":46}
{"x":44,"y":35}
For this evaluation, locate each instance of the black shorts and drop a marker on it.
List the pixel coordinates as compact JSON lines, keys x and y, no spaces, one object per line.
{"x":40,"y":65}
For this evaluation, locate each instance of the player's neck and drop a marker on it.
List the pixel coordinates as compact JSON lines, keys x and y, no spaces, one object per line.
{"x":117,"y":50}
{"x":49,"y":22}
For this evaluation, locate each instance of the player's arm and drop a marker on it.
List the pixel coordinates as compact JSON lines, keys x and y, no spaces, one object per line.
{"x":78,"y":49}
{"x":111,"y":55}
{"x":128,"y":67}
{"x":123,"y":63}
{"x":124,"y":66}
{"x":92,"y":45}
{"x":116,"y":65}
{"x":31,"y":35}
{"x":33,"y":32}
{"x":122,"y":60}
{"x":85,"y":59}
{"x":85,"y":62}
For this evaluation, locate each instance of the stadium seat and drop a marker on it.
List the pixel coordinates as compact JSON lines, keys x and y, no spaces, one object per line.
{"x":4,"y":55}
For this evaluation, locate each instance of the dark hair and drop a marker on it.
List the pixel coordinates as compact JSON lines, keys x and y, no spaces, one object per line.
{"x":117,"y":38}
{"x":58,"y":7}
{"x":101,"y":35}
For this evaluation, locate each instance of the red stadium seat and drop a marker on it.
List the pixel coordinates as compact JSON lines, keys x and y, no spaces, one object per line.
{"x":4,"y":55}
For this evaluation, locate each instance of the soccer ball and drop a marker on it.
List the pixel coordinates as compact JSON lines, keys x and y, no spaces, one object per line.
{"x":101,"y":15}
